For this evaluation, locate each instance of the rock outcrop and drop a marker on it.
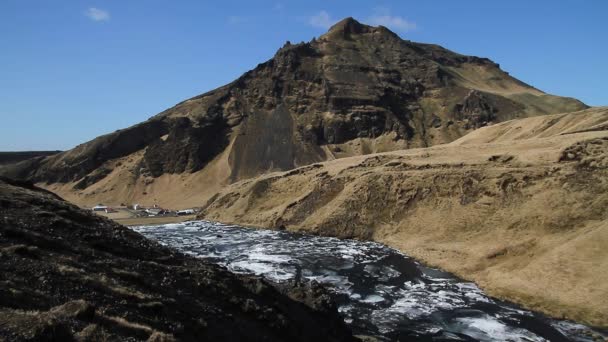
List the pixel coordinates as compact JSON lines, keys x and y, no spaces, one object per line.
{"x":69,"y":275}
{"x":355,"y":90}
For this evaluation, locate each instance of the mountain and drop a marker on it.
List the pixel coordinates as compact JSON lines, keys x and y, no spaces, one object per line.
{"x":355,"y":90}
{"x":519,"y":207}
{"x":15,"y":157}
{"x":70,"y":275}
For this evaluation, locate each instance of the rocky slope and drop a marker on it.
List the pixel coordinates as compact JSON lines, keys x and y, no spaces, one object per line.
{"x":15,"y":157}
{"x":519,"y":207}
{"x":67,"y":275}
{"x":355,"y":90}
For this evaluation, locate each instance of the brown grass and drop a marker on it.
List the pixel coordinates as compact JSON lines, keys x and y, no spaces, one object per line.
{"x":525,"y":217}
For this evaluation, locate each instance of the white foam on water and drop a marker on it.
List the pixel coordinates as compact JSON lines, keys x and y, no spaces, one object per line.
{"x":371,"y":269}
{"x":260,"y":254}
{"x":408,"y":306}
{"x":417,"y":301}
{"x":347,"y":266}
{"x":345,"y":309}
{"x":580,"y":332}
{"x":372,"y":299}
{"x":172,"y":226}
{"x":382,"y":273}
{"x":260,"y":268}
{"x":337,"y":284}
{"x":428,"y":302}
{"x":349,"y":252}
{"x":207,"y":238}
{"x":194,"y":254}
{"x":478,"y":297}
{"x":487,"y":328}
{"x":341,"y":283}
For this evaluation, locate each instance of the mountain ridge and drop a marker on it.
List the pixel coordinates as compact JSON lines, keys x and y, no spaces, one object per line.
{"x":12,"y":157}
{"x":356,"y":89}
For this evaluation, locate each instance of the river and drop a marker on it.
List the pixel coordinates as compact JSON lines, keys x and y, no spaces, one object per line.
{"x":379,"y":291}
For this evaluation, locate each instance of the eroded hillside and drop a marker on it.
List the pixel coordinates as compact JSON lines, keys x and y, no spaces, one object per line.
{"x":518,"y":207}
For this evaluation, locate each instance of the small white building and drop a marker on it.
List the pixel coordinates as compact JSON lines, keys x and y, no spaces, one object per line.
{"x":100,"y":207}
{"x":154,"y":211}
{"x":136,"y":206}
{"x":186,"y":212}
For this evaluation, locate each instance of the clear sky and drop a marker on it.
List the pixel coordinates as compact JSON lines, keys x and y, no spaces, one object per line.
{"x":71,"y":70}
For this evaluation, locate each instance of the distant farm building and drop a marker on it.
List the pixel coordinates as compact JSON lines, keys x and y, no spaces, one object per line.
{"x":185,"y":212}
{"x":155,"y":211}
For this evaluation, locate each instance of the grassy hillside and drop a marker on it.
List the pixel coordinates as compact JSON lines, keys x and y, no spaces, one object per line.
{"x":518,"y":207}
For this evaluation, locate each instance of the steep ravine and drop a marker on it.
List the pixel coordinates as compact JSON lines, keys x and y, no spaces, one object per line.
{"x":524,"y":217}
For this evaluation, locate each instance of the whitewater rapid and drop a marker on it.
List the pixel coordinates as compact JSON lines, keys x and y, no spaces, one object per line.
{"x":379,"y":291}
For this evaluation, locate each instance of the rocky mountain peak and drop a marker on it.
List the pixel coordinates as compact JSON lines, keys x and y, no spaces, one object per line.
{"x":357,"y":89}
{"x":347,"y":27}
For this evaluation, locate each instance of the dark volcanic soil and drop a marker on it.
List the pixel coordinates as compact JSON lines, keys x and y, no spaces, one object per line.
{"x":66,"y":274}
{"x":15,"y":157}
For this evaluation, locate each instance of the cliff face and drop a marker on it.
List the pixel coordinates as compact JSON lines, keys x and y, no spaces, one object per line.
{"x":519,"y":207}
{"x":355,"y":90}
{"x":69,"y":275}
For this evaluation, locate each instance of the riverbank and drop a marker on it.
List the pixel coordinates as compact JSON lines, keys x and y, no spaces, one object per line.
{"x":129,"y":217}
{"x":70,"y":275}
{"x":147,"y":221}
{"x":518,"y":207}
{"x":524,"y":217}
{"x":379,"y":291}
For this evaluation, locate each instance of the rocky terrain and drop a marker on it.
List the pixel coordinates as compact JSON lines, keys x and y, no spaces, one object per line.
{"x":355,"y":90}
{"x":69,"y":275}
{"x":15,"y":157}
{"x":357,"y":133}
{"x":519,"y":207}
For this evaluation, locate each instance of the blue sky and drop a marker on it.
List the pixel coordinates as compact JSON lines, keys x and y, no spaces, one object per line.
{"x":74,"y":69}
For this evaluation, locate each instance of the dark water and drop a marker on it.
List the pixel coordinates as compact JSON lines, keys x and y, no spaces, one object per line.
{"x":379,"y":290}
